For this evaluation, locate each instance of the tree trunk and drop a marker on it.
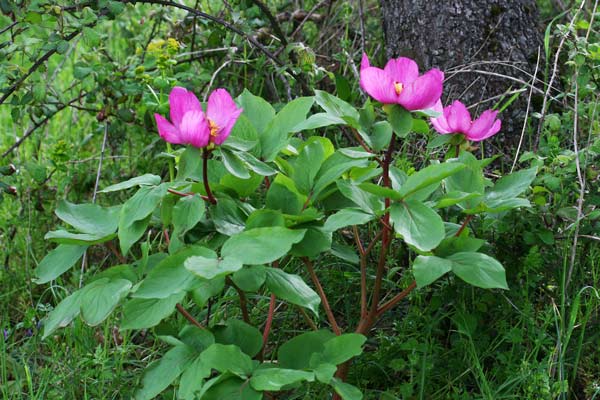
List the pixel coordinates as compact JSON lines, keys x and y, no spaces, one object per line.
{"x":490,"y":36}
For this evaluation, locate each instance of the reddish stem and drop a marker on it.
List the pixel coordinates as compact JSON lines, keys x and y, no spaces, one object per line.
{"x":395,"y":300}
{"x":464,"y":225}
{"x":268,"y":324}
{"x":334,"y":325}
{"x":189,"y":316}
{"x":185,"y":194}
{"x":363,"y":273}
{"x":210,"y":196}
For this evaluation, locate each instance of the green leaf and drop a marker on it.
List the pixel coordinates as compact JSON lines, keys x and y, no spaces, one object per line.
{"x":400,"y":119}
{"x":192,"y":379}
{"x":275,"y":378}
{"x":203,"y":290}
{"x":255,"y":164}
{"x":336,"y":107}
{"x":297,"y":352}
{"x":138,"y":208}
{"x":160,"y":374}
{"x":261,"y":245}
{"x":275,"y":136}
{"x":100,"y":298}
{"x":250,"y":278}
{"x":419,"y":225}
{"x":468,"y":180}
{"x":89,"y":218}
{"x":256,"y":109}
{"x":293,"y":289}
{"x":209,"y":268}
{"x":230,"y":388}
{"x":170,"y":276}
{"x":197,"y":338}
{"x":334,"y":167}
{"x":316,"y":241}
{"x":144,"y":180}
{"x":284,"y":196}
{"x":347,"y":217}
{"x":432,"y":174}
{"x":228,"y":358}
{"x":318,"y":120}
{"x":234,"y":165}
{"x":325,"y":372}
{"x":57,"y":262}
{"x":187,"y":212}
{"x":380,"y":191}
{"x":264,"y":218}
{"x":146,"y":313}
{"x":346,"y":390}
{"x":246,"y":337}
{"x":365,"y":200}
{"x":479,"y":270}
{"x":306,"y":166}
{"x":82,"y":239}
{"x":227,"y":217}
{"x":510,"y":186}
{"x":63,"y":314}
{"x":342,"y":348}
{"x":381,"y":135}
{"x":427,"y":269}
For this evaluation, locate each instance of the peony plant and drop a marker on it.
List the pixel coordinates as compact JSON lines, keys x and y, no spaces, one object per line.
{"x":253,"y":203}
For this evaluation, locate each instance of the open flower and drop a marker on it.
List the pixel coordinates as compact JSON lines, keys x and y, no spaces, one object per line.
{"x":190,"y":125}
{"x":399,"y":83}
{"x":455,"y":118}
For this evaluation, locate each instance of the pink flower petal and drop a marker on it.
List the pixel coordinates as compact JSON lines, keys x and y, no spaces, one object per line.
{"x":181,"y":101}
{"x":440,"y":123}
{"x":423,"y":92}
{"x":484,"y":126}
{"x":364,"y":62}
{"x":378,"y":85}
{"x":222,"y":111}
{"x":458,"y":117}
{"x":166,"y":130}
{"x":402,"y":69}
{"x":194,"y":129}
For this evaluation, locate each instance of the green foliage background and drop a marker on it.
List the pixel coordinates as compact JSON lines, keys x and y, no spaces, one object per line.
{"x":108,"y":61}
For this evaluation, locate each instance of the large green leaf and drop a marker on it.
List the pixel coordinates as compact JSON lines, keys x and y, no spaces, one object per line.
{"x":261,"y":245}
{"x":337,"y":107}
{"x":297,"y":352}
{"x":234,"y":165}
{"x":276,"y":378}
{"x":130,"y":234}
{"x":316,"y":241}
{"x":146,"y":313}
{"x":256,"y":109}
{"x":307,"y":165}
{"x":346,"y":390}
{"x":170,"y":276}
{"x":192,"y":379}
{"x":57,"y":262}
{"x":160,"y":374}
{"x":228,"y":358}
{"x":511,"y":186}
{"x":230,"y":388}
{"x":318,"y":120}
{"x":419,"y":225}
{"x":250,"y":278}
{"x":275,"y":135}
{"x":187,"y":212}
{"x":400,"y":119}
{"x":347,"y":217}
{"x":89,"y":218}
{"x":246,"y":337}
{"x":432,"y":174}
{"x":63,"y":314}
{"x":342,"y":348}
{"x":99,"y":298}
{"x":144,"y":180}
{"x":292,"y":288}
{"x":427,"y":269}
{"x":334,"y":167}
{"x":366,"y":201}
{"x":82,"y":239}
{"x":479,"y":269}
{"x":209,"y":268}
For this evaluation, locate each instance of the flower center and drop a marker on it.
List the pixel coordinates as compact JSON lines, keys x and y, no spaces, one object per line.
{"x":398,"y":87}
{"x":214,"y":128}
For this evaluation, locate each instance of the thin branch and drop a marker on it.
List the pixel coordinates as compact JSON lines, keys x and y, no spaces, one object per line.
{"x":209,"y":194}
{"x":334,"y":325}
{"x":363,"y":273}
{"x":38,"y":63}
{"x":243,"y":300}
{"x":268,"y":324}
{"x":272,"y":20}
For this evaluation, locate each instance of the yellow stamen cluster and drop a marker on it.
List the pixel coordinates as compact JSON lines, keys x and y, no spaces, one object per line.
{"x":398,"y":87}
{"x":214,"y":128}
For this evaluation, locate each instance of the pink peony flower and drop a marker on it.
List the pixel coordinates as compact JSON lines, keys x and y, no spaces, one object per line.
{"x":190,"y":125}
{"x":399,"y":83}
{"x":455,"y":118}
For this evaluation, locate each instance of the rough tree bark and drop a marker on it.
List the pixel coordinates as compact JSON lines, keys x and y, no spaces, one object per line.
{"x":470,"y":35}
